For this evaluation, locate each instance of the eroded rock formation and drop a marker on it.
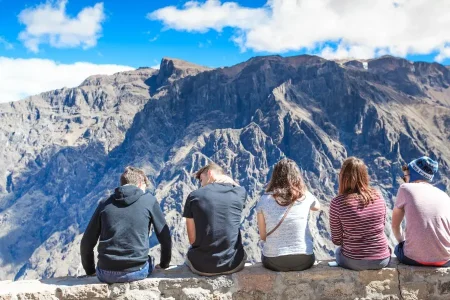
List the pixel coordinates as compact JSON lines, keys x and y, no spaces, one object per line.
{"x":64,"y":150}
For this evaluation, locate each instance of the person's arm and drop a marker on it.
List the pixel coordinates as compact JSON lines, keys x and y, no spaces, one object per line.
{"x":335,"y":223}
{"x":88,"y":242}
{"x":190,"y":227}
{"x":162,"y":234}
{"x":397,"y":217}
{"x":315,"y":206}
{"x":261,"y":226}
{"x":190,"y":224}
{"x":398,"y":213}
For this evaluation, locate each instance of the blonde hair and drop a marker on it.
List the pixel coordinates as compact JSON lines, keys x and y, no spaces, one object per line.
{"x":354,"y":179}
{"x":134,"y":176}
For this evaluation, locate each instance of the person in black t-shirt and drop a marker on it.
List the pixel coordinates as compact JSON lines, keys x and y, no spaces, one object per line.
{"x":121,"y":224}
{"x":213,"y":219}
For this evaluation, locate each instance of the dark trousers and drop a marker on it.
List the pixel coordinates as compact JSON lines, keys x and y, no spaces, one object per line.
{"x":286,"y":263}
{"x":399,"y":252}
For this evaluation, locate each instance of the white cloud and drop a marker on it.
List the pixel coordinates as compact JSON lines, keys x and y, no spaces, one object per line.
{"x":443,"y":54}
{"x":49,"y":24}
{"x":360,"y":27}
{"x":212,"y":14}
{"x":6,"y":44}
{"x":25,"y":77}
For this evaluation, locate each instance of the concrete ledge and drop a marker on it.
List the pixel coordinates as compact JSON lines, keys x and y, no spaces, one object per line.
{"x":254,"y":282}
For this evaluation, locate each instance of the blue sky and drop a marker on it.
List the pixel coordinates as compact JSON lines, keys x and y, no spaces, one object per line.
{"x":128,"y":37}
{"x":49,"y":38}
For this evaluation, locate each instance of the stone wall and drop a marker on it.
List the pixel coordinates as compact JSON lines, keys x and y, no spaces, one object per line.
{"x":254,"y":282}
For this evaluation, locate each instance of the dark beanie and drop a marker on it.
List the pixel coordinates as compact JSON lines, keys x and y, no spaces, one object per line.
{"x":422,"y":168}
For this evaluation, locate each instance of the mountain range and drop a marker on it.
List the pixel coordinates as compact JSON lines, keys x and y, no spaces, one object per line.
{"x":64,"y":150}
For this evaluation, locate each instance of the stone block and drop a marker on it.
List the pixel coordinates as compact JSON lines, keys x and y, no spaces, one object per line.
{"x":118,"y":289}
{"x":302,"y":291}
{"x":195,"y":294}
{"x":145,"y":284}
{"x":338,"y":291}
{"x":220,"y":282}
{"x":255,"y":279}
{"x":414,"y":291}
{"x":140,"y":295}
{"x":83,"y":292}
{"x":35,"y":296}
{"x":444,"y":287}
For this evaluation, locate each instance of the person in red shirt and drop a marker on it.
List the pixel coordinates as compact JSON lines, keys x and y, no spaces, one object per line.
{"x":357,"y":219}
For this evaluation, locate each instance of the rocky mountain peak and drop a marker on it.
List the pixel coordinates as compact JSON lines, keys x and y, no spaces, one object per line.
{"x":172,"y":69}
{"x":64,"y":150}
{"x":388,"y":63}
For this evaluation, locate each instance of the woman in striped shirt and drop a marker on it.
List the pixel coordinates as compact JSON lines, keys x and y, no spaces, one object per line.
{"x":357,"y":218}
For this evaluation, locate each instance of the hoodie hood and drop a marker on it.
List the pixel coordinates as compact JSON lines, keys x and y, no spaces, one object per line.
{"x":127,"y":194}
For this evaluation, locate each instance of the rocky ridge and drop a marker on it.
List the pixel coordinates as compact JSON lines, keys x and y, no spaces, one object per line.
{"x":66,"y":149}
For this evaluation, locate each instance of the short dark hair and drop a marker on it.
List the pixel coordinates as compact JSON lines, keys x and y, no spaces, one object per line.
{"x":134,"y":176}
{"x":210,"y":167}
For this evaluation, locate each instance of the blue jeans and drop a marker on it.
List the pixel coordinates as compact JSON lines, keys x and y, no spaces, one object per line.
{"x":118,"y":276}
{"x":399,"y":252}
{"x":360,"y":264}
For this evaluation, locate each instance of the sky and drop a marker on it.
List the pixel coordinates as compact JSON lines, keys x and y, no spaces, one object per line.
{"x":46,"y":45}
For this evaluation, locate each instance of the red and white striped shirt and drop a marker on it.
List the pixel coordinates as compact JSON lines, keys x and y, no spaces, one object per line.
{"x":357,"y":229}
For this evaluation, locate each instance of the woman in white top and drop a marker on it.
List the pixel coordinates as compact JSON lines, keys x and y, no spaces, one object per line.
{"x":283,"y":214}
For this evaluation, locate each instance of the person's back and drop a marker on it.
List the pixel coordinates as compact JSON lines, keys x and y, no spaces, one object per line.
{"x":427,"y":213}
{"x":215,"y":210}
{"x":357,"y":219}
{"x":282,"y":215}
{"x":121,"y":224}
{"x":360,"y":230}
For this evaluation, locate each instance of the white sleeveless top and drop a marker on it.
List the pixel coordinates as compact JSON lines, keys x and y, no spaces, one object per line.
{"x":293,"y":235}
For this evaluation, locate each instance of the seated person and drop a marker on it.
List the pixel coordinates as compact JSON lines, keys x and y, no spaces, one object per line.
{"x":283,"y":214}
{"x":121,"y":224}
{"x":213,"y":220}
{"x":357,"y":219}
{"x":427,"y":211}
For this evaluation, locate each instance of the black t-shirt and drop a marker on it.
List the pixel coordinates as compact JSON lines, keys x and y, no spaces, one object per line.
{"x":216,"y":209}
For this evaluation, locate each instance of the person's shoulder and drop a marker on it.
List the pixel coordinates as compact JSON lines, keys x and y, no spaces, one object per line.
{"x":376,"y":193}
{"x":198,"y":194}
{"x":339,"y":198}
{"x":310,"y":196}
{"x":265,"y":198}
{"x":148,"y":199}
{"x":105,"y":201}
{"x":410,"y":187}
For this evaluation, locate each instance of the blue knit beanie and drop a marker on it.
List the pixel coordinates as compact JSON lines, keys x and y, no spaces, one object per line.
{"x":422,"y":168}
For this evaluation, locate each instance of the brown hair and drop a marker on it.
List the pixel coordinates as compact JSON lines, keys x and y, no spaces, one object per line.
{"x":134,"y":176}
{"x":210,"y":167}
{"x":286,"y":183}
{"x":354,"y":179}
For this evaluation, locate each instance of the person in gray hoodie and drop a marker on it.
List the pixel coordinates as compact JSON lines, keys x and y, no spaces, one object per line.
{"x":121,"y":224}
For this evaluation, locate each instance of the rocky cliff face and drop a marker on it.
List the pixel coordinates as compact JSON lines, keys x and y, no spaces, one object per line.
{"x":65,"y":150}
